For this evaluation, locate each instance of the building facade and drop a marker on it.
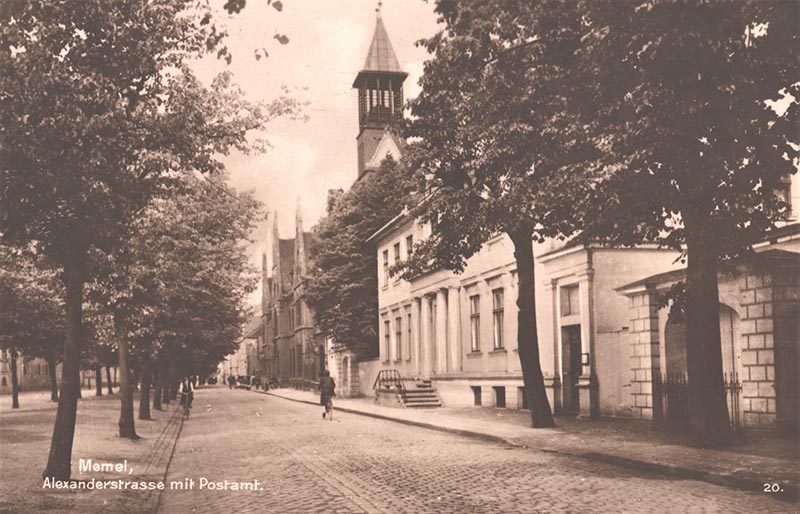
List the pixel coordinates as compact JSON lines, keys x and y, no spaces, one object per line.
{"x":292,"y":350}
{"x":605,"y":346}
{"x":32,"y":374}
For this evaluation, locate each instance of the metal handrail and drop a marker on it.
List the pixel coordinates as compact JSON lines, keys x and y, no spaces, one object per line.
{"x":388,"y":378}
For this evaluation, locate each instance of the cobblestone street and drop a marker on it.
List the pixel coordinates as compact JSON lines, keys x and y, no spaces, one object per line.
{"x":358,"y":464}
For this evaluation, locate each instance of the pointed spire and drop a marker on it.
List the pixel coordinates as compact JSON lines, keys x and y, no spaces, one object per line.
{"x":381,"y":56}
{"x":299,"y":245}
{"x":298,"y":214}
{"x":275,"y":242}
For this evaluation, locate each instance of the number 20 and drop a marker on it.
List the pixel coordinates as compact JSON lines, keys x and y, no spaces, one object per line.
{"x":772,"y":488}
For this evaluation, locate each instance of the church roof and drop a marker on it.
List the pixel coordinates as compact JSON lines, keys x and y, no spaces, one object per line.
{"x":287,"y":263}
{"x":381,"y":56}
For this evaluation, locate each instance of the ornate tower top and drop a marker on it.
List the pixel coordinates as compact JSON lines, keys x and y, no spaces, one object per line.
{"x":381,"y":59}
{"x":380,"y":93}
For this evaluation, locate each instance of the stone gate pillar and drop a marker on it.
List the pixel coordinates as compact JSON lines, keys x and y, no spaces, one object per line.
{"x":645,"y":363}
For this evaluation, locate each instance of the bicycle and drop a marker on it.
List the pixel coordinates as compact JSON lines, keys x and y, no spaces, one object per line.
{"x":186,"y":402}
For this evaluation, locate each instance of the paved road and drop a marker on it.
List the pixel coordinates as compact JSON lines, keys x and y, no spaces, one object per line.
{"x":357,"y":464}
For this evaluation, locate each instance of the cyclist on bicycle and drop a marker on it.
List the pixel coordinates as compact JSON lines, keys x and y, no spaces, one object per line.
{"x":327,"y":390}
{"x":187,"y":395}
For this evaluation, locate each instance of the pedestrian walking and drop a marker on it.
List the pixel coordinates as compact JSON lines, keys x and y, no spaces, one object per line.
{"x":327,"y":390}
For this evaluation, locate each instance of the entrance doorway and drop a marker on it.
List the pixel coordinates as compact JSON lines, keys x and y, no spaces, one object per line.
{"x":570,"y":367}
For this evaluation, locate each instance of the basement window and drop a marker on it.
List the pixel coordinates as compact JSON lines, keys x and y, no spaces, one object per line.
{"x":476,"y":393}
{"x":499,"y":397}
{"x":522,"y":398}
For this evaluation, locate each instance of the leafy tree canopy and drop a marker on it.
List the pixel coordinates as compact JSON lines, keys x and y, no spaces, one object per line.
{"x":496,"y":125}
{"x":697,"y":114}
{"x":344,"y":283}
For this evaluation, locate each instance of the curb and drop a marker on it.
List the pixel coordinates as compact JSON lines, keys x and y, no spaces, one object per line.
{"x":790,"y":491}
{"x":169,"y":461}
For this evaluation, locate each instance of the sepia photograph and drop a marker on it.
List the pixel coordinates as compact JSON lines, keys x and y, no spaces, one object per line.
{"x":399,"y":256}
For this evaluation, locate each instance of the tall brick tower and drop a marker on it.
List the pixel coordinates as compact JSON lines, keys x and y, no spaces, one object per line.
{"x":380,"y":96}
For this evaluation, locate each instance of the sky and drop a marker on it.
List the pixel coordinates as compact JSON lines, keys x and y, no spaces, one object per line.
{"x":328,"y":43}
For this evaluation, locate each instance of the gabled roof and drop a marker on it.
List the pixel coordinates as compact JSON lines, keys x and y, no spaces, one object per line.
{"x":253,"y":327}
{"x":388,"y":145}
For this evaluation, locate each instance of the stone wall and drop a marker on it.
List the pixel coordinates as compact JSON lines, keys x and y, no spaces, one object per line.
{"x":786,"y":331}
{"x":757,"y":347}
{"x":644,"y":353}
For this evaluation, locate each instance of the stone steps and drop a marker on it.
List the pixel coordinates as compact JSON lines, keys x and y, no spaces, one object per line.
{"x":419,"y":394}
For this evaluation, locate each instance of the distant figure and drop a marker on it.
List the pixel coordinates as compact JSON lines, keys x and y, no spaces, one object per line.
{"x":187,"y":394}
{"x":327,"y":390}
{"x":231,"y":381}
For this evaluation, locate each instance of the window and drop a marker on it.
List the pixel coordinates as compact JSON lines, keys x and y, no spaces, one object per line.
{"x":397,"y":258}
{"x":475,"y":322}
{"x":499,"y":397}
{"x":784,"y":193}
{"x":398,"y":334}
{"x":522,"y":398}
{"x":570,"y":300}
{"x":386,"y":337}
{"x":476,"y":395}
{"x":385,"y":267}
{"x":409,"y":246}
{"x":299,"y":314}
{"x":497,"y":318}
{"x":408,"y":330}
{"x":433,"y":321}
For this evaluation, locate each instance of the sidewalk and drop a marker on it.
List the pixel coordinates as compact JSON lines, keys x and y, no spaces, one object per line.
{"x":28,"y":398}
{"x":25,"y":435}
{"x":748,"y":466}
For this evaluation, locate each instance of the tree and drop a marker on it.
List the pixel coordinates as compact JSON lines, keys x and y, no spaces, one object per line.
{"x":695,"y":148}
{"x":343,"y":289}
{"x":31,"y":313}
{"x":499,"y":143}
{"x":177,"y":287}
{"x":99,"y":110}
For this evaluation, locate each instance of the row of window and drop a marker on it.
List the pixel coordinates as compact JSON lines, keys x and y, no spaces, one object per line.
{"x":497,"y":321}
{"x":397,"y":257}
{"x":398,"y":335}
{"x":499,"y":397}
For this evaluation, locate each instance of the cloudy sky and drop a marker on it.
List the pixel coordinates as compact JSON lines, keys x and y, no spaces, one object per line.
{"x":328,"y":44}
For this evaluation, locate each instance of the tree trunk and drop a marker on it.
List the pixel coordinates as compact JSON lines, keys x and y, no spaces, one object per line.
{"x":173,"y":379}
{"x":144,"y":396}
{"x":157,"y":380}
{"x":51,"y":369}
{"x":708,"y":407}
{"x":59,"y":460}
{"x":127,"y":426}
{"x":527,"y":335}
{"x":98,"y":379}
{"x":109,"y":385}
{"x":14,"y":380}
{"x":165,"y":381}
